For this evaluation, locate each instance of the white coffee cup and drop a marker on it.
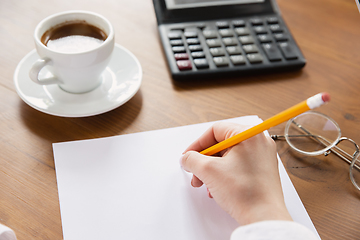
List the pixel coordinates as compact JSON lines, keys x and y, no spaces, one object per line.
{"x":74,"y":72}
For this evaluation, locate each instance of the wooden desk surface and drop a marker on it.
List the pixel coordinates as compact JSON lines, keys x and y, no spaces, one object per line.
{"x":327,"y":32}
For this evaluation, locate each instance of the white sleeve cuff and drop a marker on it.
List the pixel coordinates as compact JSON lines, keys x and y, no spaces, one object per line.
{"x":274,"y":230}
{"x":6,"y":233}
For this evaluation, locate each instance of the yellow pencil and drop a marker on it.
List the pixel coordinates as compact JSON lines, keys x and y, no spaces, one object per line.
{"x":310,"y":103}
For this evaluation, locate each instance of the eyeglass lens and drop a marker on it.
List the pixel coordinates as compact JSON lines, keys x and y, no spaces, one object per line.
{"x":355,"y":171}
{"x":312,"y":132}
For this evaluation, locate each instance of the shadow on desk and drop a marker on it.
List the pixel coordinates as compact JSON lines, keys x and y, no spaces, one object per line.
{"x":194,"y":84}
{"x":326,"y":177}
{"x":60,"y":129}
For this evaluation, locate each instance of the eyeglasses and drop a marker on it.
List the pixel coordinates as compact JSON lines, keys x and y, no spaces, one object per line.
{"x":313,"y":133}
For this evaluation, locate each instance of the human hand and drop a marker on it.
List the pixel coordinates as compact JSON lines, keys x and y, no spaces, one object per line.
{"x":244,"y":179}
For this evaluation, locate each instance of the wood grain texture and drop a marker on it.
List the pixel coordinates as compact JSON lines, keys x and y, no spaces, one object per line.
{"x":327,"y":32}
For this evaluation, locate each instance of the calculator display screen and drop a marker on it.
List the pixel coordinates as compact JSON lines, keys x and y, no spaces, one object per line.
{"x":180,"y":4}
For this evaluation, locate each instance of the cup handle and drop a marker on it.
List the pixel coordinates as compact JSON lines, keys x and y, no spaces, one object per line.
{"x":35,"y":70}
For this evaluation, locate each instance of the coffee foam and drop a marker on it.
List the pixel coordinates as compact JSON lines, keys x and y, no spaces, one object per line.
{"x":74,"y":44}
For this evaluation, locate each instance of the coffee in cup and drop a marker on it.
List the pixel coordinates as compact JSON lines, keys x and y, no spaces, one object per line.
{"x":76,"y":47}
{"x":73,"y":37}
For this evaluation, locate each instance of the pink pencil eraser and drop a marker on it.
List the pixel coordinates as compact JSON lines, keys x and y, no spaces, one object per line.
{"x":318,"y":100}
{"x":325,"y":97}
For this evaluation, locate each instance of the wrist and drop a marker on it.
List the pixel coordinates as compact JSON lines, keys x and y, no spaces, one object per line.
{"x":263,"y":212}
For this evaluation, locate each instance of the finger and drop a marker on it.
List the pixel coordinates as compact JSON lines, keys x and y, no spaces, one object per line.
{"x":217,"y":133}
{"x":196,"y":182}
{"x":206,"y":140}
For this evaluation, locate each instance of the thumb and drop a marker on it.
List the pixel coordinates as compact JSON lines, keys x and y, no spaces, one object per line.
{"x":194,"y":162}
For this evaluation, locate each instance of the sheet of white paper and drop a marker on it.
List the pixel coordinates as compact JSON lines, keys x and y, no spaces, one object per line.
{"x":132,"y":187}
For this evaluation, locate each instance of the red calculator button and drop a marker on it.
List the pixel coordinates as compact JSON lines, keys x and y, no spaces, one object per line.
{"x":184,"y":65}
{"x":181,"y":56}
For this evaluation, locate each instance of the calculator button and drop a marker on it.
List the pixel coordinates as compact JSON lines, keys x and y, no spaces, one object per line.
{"x":210,"y":34}
{"x":230,"y":41}
{"x":272,"y":52}
{"x":288,"y":51}
{"x":260,"y":29}
{"x":251,"y":48}
{"x":200,"y":25}
{"x":246,"y":40}
{"x":256,"y":21}
{"x":201,"y":63}
{"x":213,"y":43}
{"x":264,"y":38}
{"x":192,"y":41}
{"x":181,"y":56}
{"x":242,"y":31}
{"x":198,"y":54}
{"x":226,"y":32}
{"x":177,"y":42}
{"x":275,"y":28}
{"x":238,"y":59}
{"x":255,"y":58}
{"x":215,"y":52}
{"x":238,"y":23}
{"x":272,"y":20}
{"x":190,"y":34}
{"x":194,"y":48}
{"x":184,"y":65}
{"x":178,"y":28}
{"x":221,"y":61}
{"x":280,"y":37}
{"x":222,"y":24}
{"x":234,"y":50}
{"x":179,"y":49}
{"x":174,"y":35}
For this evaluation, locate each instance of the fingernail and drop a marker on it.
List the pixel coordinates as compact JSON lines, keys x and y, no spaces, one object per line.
{"x":192,"y":181}
{"x":209,"y":194}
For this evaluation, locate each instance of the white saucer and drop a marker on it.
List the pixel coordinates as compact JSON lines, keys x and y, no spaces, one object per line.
{"x":121,"y":80}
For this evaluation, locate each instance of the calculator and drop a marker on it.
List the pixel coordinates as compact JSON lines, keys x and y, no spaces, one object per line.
{"x":225,"y":38}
